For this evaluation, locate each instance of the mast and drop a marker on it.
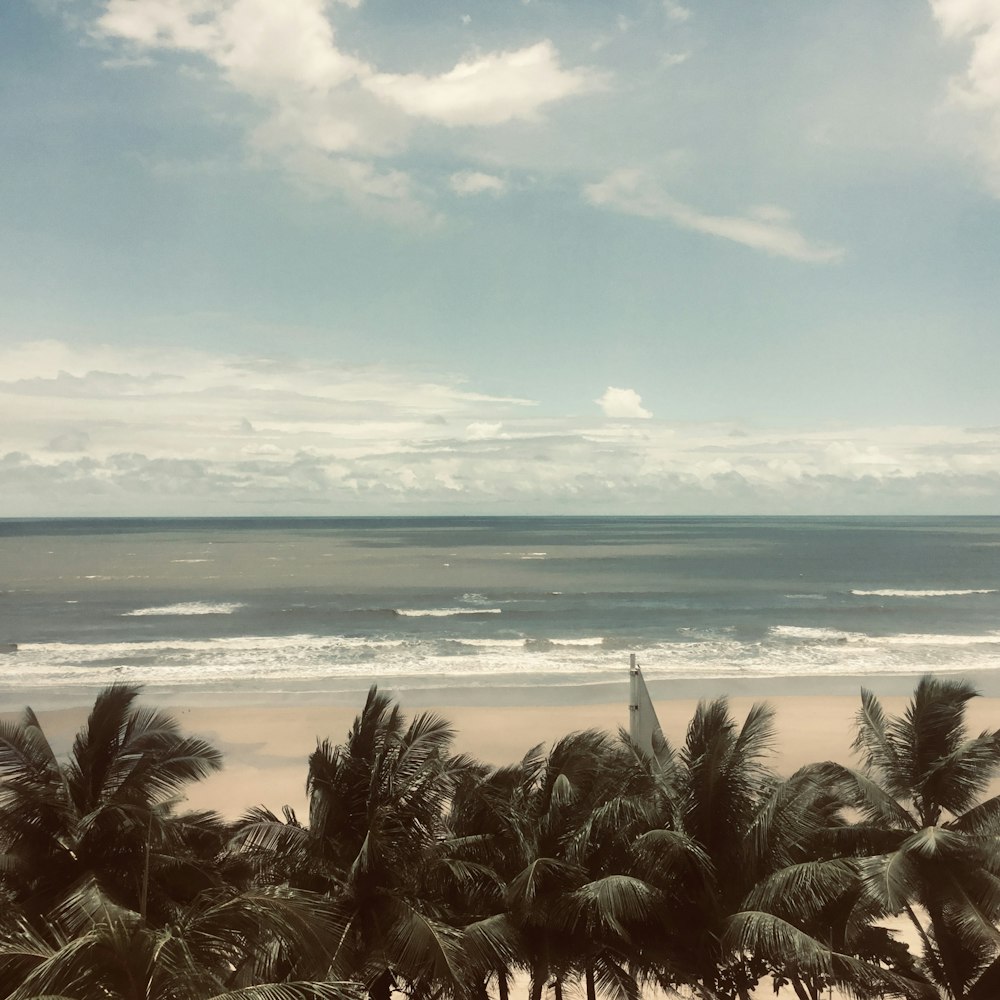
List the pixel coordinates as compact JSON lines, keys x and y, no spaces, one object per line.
{"x":633,"y":698}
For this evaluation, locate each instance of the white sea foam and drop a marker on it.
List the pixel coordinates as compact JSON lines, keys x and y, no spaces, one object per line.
{"x":815,"y":634}
{"x":919,"y":593}
{"x":595,"y":640}
{"x":534,"y":555}
{"x":443,"y":612}
{"x":288,"y":662}
{"x":919,"y":639}
{"x":805,"y":597}
{"x":190,"y":560}
{"x":186,"y":608}
{"x":492,"y":643}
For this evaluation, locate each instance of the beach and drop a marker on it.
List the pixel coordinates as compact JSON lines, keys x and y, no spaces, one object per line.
{"x":266,"y":747}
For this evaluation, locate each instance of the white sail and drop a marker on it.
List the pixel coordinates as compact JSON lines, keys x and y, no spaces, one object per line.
{"x":644,"y":727}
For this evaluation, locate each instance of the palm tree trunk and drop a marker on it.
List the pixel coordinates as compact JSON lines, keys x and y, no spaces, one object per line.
{"x":144,"y":890}
{"x":502,"y":985}
{"x":591,"y":985}
{"x":946,"y":951}
{"x":381,"y":989}
{"x":537,"y":985}
{"x":558,"y":988}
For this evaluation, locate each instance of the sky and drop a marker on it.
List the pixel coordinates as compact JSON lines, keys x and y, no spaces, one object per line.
{"x":499,"y":257}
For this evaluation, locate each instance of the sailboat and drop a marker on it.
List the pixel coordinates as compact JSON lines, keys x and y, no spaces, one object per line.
{"x":643,"y":725}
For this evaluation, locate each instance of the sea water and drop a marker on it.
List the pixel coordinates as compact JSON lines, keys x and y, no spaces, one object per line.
{"x":298,"y":605}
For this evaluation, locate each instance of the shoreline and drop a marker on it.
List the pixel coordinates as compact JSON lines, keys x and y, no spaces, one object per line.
{"x":341,"y":691}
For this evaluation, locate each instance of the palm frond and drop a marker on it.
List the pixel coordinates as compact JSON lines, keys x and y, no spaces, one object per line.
{"x":981,"y":820}
{"x":664,"y":850}
{"x":755,"y":932}
{"x":805,"y":888}
{"x":955,"y":781}
{"x":296,"y":991}
{"x":930,"y":730}
{"x":757,"y":734}
{"x":616,"y":902}
{"x":870,"y":798}
{"x":539,"y":873}
{"x":872,"y":740}
{"x":614,"y":981}
{"x":491,"y":943}
{"x":893,"y":880}
{"x":421,"y":947}
{"x":789,"y":947}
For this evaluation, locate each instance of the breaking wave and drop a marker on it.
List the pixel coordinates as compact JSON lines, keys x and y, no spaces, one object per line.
{"x":443,"y":612}
{"x":187,"y":608}
{"x":919,"y":593}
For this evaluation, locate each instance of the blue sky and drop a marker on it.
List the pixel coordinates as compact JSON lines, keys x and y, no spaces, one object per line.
{"x":372,"y":256}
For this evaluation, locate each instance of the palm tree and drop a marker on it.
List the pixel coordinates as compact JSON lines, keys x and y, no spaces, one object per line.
{"x":106,"y":812}
{"x":931,"y":839}
{"x":225,"y":945}
{"x":557,"y":831}
{"x":766,"y":903}
{"x":375,"y":844}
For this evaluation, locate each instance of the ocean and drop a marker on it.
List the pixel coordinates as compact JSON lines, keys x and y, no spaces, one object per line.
{"x":286,"y":606}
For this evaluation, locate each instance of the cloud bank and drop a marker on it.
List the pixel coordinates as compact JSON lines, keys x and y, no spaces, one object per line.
{"x":117,"y":432}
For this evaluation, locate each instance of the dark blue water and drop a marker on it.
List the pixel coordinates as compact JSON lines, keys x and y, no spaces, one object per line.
{"x":492,"y":601}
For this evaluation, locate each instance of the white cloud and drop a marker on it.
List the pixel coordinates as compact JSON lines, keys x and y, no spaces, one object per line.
{"x":670,"y":59}
{"x":622,"y":404}
{"x":468,"y":182}
{"x":769,"y":228}
{"x":116,"y":431}
{"x":488,"y":90}
{"x":483,"y":431}
{"x":327,"y":111}
{"x":676,"y":11}
{"x":977,"y":91}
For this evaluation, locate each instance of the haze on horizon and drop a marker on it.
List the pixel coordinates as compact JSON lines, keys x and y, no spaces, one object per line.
{"x":524,"y":256}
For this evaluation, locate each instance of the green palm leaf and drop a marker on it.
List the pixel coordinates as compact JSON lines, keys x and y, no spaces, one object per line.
{"x":805,"y":888}
{"x":615,"y":902}
{"x":295,"y":991}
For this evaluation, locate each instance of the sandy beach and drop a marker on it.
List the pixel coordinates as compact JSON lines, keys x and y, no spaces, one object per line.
{"x":266,"y":746}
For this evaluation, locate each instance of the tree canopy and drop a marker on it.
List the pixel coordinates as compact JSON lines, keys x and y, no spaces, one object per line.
{"x":585,"y":865}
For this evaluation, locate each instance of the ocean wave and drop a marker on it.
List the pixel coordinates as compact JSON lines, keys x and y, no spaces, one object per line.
{"x":474,"y":598}
{"x":815,"y":634}
{"x":920,"y":593}
{"x":920,"y":639}
{"x":492,"y":643}
{"x":443,"y":612}
{"x":805,"y":597}
{"x":929,"y":639}
{"x":186,"y":608}
{"x":324,"y":662}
